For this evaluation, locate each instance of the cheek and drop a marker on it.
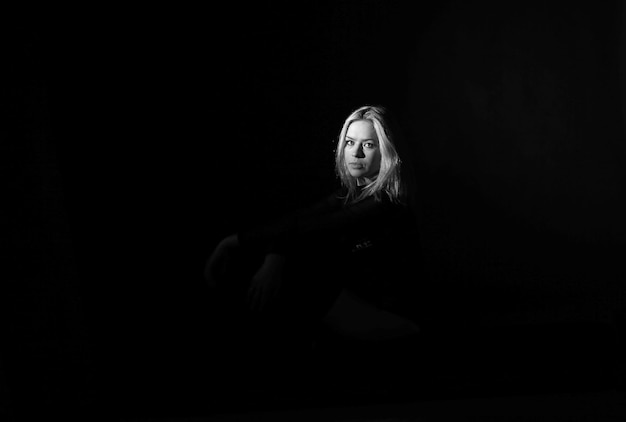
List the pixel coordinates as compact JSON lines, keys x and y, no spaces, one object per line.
{"x":374,"y":158}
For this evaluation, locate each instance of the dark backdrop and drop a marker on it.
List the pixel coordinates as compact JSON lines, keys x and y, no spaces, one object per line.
{"x":135,"y":139}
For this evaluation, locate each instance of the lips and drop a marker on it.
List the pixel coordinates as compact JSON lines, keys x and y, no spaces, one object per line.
{"x":356,"y":165}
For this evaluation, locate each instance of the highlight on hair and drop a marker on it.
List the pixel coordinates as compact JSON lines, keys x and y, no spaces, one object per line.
{"x":389,"y":179}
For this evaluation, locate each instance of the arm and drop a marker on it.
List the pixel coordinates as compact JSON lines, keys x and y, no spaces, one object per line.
{"x":327,"y":218}
{"x":267,"y":237}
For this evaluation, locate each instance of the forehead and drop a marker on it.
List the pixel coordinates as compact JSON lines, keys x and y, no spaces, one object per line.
{"x":361,"y":129}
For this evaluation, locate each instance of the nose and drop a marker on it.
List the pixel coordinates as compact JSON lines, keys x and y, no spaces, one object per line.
{"x":357,"y":152}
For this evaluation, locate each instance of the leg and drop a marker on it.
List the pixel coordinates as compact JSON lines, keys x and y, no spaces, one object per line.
{"x":352,"y":316}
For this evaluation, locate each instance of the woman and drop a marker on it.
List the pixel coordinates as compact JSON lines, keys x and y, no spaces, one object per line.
{"x":341,"y":262}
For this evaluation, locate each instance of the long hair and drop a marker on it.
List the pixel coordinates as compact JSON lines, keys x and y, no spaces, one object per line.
{"x":394,"y":177}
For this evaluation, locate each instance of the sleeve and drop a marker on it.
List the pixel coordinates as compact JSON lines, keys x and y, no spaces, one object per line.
{"x":327,"y":220}
{"x":272,"y":237}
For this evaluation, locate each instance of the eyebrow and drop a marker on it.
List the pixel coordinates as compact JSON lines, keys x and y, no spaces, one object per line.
{"x":368,"y":139}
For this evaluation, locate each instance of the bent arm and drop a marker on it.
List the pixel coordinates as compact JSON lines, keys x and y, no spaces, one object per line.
{"x":327,"y":218}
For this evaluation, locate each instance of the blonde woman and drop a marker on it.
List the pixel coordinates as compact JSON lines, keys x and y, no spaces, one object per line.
{"x":341,"y":260}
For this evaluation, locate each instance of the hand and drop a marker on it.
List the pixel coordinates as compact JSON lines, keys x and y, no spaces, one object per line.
{"x":265,"y":285}
{"x":219,"y":259}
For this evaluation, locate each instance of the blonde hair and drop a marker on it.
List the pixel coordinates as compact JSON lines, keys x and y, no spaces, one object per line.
{"x":389,"y":179}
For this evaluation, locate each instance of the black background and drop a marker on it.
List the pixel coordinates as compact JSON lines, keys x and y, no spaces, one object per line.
{"x":135,"y":139}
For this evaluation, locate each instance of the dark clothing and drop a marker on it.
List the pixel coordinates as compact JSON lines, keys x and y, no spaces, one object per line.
{"x":369,"y":247}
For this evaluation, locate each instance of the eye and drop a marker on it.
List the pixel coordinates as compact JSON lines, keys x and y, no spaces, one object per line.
{"x":369,"y":145}
{"x":349,"y":142}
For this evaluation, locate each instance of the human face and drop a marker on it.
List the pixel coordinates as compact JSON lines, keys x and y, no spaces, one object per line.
{"x":361,"y":151}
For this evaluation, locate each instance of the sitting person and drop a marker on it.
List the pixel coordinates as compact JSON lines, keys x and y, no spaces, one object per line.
{"x":348,"y":262}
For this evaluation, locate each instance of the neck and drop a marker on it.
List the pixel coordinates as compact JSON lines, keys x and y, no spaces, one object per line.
{"x":362,"y":181}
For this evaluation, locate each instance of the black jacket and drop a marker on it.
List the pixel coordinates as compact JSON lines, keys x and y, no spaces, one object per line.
{"x":370,"y":246}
